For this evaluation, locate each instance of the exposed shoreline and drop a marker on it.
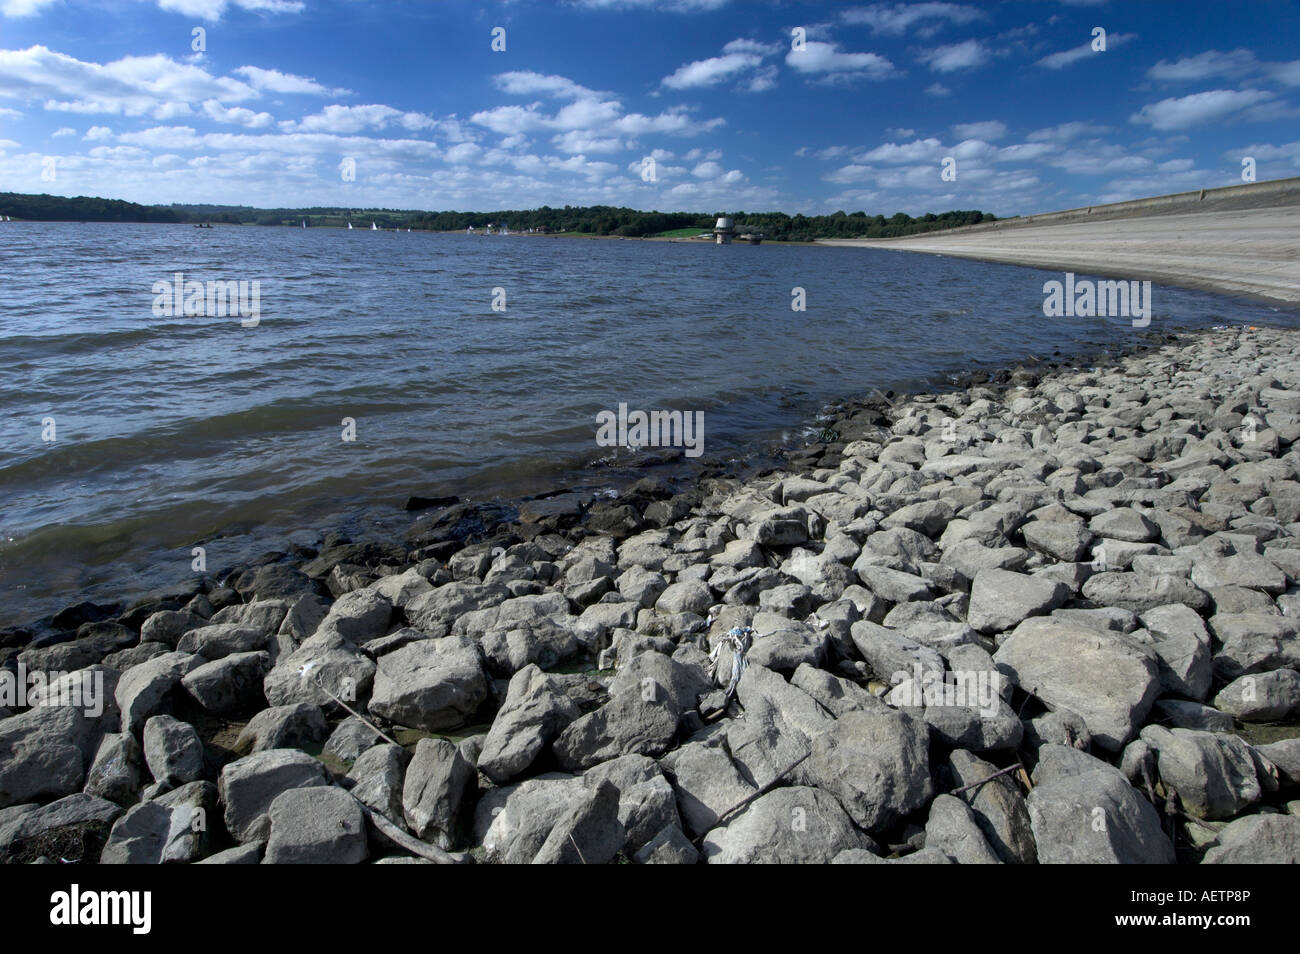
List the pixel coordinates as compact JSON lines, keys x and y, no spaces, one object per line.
{"x":955,"y":531}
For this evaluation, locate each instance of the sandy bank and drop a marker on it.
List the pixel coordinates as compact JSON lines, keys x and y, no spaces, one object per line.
{"x":1246,"y":251}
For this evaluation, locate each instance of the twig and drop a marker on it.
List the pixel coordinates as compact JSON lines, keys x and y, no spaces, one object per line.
{"x":410,"y":843}
{"x":368,"y":723}
{"x":577,"y":849}
{"x":1006,"y":771}
{"x":744,"y":802}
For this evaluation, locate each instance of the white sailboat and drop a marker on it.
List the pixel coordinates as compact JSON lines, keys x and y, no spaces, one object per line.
{"x":304,"y":223}
{"x":349,"y":226}
{"x":374,"y":227}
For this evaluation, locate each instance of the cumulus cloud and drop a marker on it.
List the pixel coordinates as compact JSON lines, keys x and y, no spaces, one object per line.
{"x":826,"y":58}
{"x":896,"y":19}
{"x":965,"y":55}
{"x":273,"y":81}
{"x":1199,"y":108}
{"x":353,"y":119}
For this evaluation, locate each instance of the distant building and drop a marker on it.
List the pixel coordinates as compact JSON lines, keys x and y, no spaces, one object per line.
{"x":723,"y":230}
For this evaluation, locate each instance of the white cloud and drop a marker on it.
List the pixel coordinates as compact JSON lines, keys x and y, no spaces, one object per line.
{"x":898,"y":18}
{"x":353,"y":119}
{"x":1056,"y":61}
{"x":819,"y":57}
{"x":1064,"y":132}
{"x":213,"y":9}
{"x":1199,"y":108}
{"x":273,"y":81}
{"x":154,"y":85}
{"x":528,"y":83}
{"x":98,"y":134}
{"x":920,"y":150}
{"x":237,"y":115}
{"x":711,"y":72}
{"x":462,"y":153}
{"x":991,"y":129}
{"x":672,"y":6}
{"x":65,"y":131}
{"x":965,"y":55}
{"x":1211,"y":63}
{"x":938,"y":89}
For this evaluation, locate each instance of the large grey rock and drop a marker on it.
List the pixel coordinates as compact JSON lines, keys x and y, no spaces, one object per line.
{"x":1239,"y":569}
{"x":284,"y":727}
{"x":1183,"y":650}
{"x":588,"y":833}
{"x":172,"y":828}
{"x":1285,"y":755}
{"x":438,"y":780}
{"x":1213,"y":773}
{"x":1140,"y":591}
{"x":1264,"y":697}
{"x":145,"y":690}
{"x":432,"y":684}
{"x":513,"y":822}
{"x":536,"y":709}
{"x":669,"y":846}
{"x":1094,"y":816}
{"x":173,"y":751}
{"x":998,"y":806}
{"x":1254,"y":642}
{"x":889,"y":652}
{"x":708,"y":783}
{"x":690,"y":596}
{"x":1001,"y":599}
{"x":1108,"y":678}
{"x":44,"y":753}
{"x":116,"y":771}
{"x":1064,"y":540}
{"x":327,"y":658}
{"x":321,"y":825}
{"x":952,"y":829}
{"x":249,"y":785}
{"x":349,"y":739}
{"x":230,"y":684}
{"x":379,"y":774}
{"x":1257,"y":840}
{"x":877,"y":763}
{"x":626,"y":725}
{"x":795,"y":825}
{"x":219,"y":640}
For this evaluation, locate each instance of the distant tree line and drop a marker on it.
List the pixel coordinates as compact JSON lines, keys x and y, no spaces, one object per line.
{"x":586,"y":220}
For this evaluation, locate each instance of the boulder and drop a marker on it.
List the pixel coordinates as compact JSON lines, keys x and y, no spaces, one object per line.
{"x":316,"y":826}
{"x":431,"y":684}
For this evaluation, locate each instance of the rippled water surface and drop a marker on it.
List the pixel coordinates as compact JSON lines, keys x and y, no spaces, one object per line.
{"x":174,"y":431}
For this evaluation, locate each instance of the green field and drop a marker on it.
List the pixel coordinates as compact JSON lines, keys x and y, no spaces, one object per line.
{"x":678,"y":233}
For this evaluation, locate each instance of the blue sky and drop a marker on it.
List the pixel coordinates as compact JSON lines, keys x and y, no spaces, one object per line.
{"x":110,"y":98}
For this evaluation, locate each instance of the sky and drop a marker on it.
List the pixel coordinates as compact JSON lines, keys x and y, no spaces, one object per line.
{"x":1010,"y":107}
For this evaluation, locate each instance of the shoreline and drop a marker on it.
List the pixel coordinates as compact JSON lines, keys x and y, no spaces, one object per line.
{"x":953,"y":532}
{"x":579,"y":481}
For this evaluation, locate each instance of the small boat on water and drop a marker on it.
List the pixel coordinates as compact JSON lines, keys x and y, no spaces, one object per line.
{"x":349,"y":226}
{"x":374,"y":227}
{"x":204,"y":225}
{"x":304,"y":223}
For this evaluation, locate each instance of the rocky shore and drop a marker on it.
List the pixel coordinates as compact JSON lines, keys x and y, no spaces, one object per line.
{"x":1049,"y":617}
